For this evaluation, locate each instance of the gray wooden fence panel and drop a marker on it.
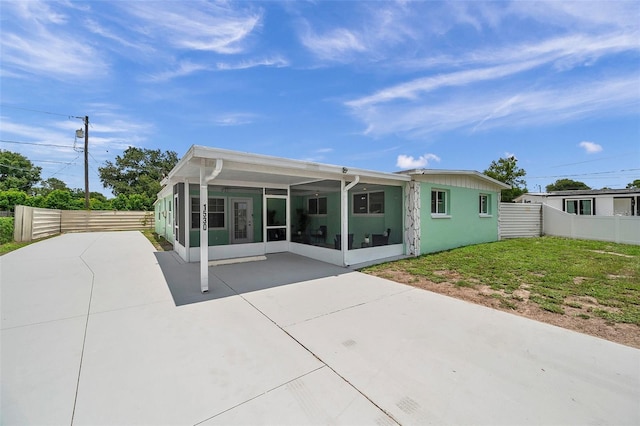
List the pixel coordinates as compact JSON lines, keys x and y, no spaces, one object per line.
{"x":96,"y":220}
{"x":46,"y":222}
{"x":31,"y":223}
{"x":519,"y":220}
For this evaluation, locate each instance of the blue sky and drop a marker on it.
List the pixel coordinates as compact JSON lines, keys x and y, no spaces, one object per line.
{"x":378,"y":85}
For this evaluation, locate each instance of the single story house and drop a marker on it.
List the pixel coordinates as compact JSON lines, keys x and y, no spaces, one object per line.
{"x":598,"y":202}
{"x":219,"y":204}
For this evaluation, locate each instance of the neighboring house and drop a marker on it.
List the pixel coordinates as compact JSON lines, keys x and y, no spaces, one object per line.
{"x":220,"y":204}
{"x":598,"y":202}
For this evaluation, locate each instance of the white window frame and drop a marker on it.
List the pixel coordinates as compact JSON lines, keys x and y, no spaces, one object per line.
{"x":578,"y":210}
{"x":487,"y":205}
{"x":446,"y":201}
{"x":209,"y":213}
{"x":368,"y":212}
{"x":318,"y":212}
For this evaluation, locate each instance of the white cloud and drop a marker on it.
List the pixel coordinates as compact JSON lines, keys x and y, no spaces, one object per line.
{"x":336,"y":45}
{"x":276,"y":61}
{"x":182,"y":69}
{"x":196,"y":25}
{"x":476,"y":110}
{"x":408,"y":162}
{"x":49,"y":47}
{"x":234,"y":119}
{"x":590,"y":147}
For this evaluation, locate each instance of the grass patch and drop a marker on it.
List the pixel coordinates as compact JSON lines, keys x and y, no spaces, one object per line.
{"x":11,"y":246}
{"x":555,"y":271}
{"x":159,"y":242}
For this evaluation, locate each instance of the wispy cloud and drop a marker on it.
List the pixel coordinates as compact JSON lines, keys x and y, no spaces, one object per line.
{"x":408,"y":162}
{"x":49,"y":48}
{"x":590,"y":147}
{"x":477,"y":110}
{"x":196,"y":25}
{"x":182,"y":69}
{"x":276,"y":61}
{"x":234,"y":119}
{"x":334,"y":45}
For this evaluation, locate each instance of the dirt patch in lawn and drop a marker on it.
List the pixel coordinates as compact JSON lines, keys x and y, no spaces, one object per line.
{"x":577,"y":311}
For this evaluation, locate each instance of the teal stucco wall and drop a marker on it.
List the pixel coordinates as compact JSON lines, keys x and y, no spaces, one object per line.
{"x":463,"y":225}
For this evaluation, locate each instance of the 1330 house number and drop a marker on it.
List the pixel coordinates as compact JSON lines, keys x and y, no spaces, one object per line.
{"x":204,"y":217}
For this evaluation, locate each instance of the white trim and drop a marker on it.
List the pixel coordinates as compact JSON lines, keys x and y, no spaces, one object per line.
{"x":369,"y":254}
{"x":322,"y":254}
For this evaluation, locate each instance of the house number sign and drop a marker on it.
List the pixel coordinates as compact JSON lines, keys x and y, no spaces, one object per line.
{"x":204,"y":217}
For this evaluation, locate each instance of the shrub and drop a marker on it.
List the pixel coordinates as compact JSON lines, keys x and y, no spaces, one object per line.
{"x":6,"y":230}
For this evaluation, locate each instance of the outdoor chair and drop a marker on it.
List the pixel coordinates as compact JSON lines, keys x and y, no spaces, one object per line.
{"x":381,"y":239}
{"x":337,"y":241}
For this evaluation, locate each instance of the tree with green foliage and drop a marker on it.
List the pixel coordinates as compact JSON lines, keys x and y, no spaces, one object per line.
{"x":51,"y":184}
{"x":506,"y":170}
{"x":138,"y":172}
{"x":566,"y":185}
{"x":17,"y":172}
{"x":11,"y":198}
{"x":634,"y":185}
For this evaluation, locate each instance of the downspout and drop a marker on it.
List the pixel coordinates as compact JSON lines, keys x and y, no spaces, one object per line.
{"x":344,"y":243}
{"x":204,"y":226}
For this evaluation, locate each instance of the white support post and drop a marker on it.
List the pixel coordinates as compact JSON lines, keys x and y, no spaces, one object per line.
{"x":204,"y":233}
{"x":344,"y":220}
{"x":204,"y":217}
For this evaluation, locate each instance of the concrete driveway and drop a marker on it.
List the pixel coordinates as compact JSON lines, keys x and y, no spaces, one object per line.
{"x":98,"y":328}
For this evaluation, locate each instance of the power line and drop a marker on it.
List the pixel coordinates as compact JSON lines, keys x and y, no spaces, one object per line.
{"x":64,"y":167}
{"x":39,"y":111}
{"x":584,"y":174}
{"x":37,"y":144}
{"x":591,"y":161}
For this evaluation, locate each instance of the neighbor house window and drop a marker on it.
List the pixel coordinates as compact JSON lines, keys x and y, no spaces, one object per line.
{"x":368,"y":203}
{"x":317,"y":205}
{"x":439,"y":202}
{"x":483,"y":204}
{"x":579,"y":207}
{"x":215,"y":216}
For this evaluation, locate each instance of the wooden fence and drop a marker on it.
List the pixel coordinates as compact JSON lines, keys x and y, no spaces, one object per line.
{"x":32,"y":223}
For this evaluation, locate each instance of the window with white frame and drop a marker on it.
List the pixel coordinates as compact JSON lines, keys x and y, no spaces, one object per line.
{"x":483,"y":204}
{"x":215,"y":216}
{"x":579,"y":207}
{"x":368,"y":203}
{"x":439,"y":202}
{"x":317,"y":205}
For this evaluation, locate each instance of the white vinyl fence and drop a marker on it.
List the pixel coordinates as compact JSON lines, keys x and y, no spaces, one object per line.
{"x":520,"y":220}
{"x":31,"y":223}
{"x":617,"y":229}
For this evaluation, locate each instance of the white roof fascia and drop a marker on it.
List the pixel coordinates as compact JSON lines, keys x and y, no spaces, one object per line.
{"x":482,"y":176}
{"x":293,"y":167}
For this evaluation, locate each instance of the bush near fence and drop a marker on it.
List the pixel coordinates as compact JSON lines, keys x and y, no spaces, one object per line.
{"x":6,"y":230}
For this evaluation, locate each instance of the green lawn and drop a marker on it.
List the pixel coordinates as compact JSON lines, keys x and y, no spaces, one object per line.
{"x":601,"y":278}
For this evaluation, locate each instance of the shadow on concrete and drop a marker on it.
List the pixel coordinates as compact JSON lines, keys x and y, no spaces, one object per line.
{"x":277,"y":270}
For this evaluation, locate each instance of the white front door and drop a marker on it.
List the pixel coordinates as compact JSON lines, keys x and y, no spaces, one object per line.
{"x":241,"y":220}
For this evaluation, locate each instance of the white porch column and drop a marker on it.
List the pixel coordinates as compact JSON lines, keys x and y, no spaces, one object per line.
{"x":204,"y":226}
{"x":344,"y":216}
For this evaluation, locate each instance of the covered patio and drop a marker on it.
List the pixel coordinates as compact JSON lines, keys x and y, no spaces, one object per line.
{"x":219,"y":204}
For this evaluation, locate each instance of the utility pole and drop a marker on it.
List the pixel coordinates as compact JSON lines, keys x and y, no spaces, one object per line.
{"x":86,"y":162}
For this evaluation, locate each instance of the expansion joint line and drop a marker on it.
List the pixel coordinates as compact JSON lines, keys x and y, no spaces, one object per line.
{"x":86,"y":326}
{"x":314,"y":355}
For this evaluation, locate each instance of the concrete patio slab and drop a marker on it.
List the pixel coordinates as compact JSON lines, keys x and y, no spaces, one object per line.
{"x":129,"y":339}
{"x":318,"y":398}
{"x":431,"y":359}
{"x":165,"y":365}
{"x":40,"y":367}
